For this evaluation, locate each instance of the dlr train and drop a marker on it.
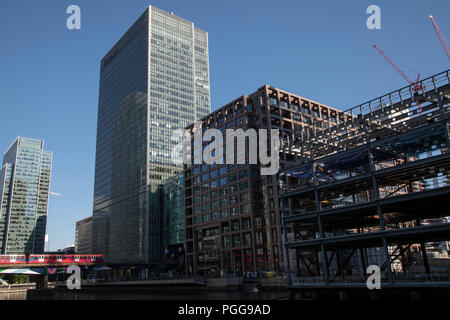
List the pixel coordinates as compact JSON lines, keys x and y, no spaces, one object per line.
{"x":39,"y":259}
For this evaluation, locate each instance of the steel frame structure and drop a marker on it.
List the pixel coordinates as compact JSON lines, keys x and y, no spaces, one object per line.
{"x":369,"y":190}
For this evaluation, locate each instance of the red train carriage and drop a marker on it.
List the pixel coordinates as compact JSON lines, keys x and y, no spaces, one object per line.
{"x":13,"y":259}
{"x":64,"y":259}
{"x":40,"y":259}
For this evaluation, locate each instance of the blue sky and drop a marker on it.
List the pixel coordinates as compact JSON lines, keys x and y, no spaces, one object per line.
{"x":318,"y":49}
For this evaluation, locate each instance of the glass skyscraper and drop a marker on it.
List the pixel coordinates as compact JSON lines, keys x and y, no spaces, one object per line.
{"x":154,"y":80}
{"x":174,"y":212}
{"x":24,"y":193}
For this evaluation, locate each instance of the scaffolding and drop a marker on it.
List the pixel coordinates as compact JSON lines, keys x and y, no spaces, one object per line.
{"x":372,"y":189}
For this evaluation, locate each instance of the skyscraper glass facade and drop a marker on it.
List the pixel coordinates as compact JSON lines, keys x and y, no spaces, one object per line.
{"x":174,"y":211}
{"x":24,"y":192}
{"x":153,"y":81}
{"x":83,"y":236}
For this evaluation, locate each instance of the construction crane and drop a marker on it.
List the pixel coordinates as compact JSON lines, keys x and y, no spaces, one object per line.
{"x":440,"y":35}
{"x":416,"y":86}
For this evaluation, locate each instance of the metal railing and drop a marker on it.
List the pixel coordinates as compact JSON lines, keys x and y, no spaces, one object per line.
{"x":396,"y":278}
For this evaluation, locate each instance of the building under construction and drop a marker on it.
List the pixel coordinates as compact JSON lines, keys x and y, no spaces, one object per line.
{"x":373,"y":189}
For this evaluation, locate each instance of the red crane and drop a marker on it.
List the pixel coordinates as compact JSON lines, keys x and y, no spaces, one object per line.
{"x":416,"y":85}
{"x":441,"y":36}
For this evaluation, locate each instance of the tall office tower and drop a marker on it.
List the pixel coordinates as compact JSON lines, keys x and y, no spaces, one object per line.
{"x":24,"y":193}
{"x":83,"y":236}
{"x":154,"y":80}
{"x":232,"y":212}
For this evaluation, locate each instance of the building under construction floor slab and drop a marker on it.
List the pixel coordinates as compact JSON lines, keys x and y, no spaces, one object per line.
{"x":373,"y":189}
